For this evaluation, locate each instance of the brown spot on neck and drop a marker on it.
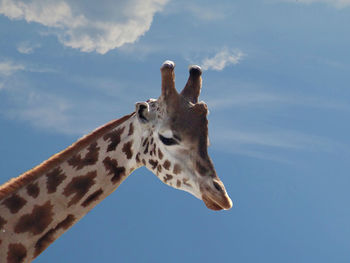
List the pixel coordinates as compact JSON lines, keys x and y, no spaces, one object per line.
{"x":44,"y":241}
{"x":154,"y":163}
{"x":33,"y":190}
{"x":14,"y":203}
{"x":160,"y":154}
{"x":145,"y":142}
{"x":177,"y":169}
{"x":37,"y":221}
{"x":178,"y":183}
{"x":167,"y":177}
{"x":112,"y":168}
{"x":127,"y":149}
{"x":79,"y":186}
{"x":16,"y":253}
{"x":131,"y":129}
{"x":146,"y":149}
{"x":114,"y":138}
{"x":166,"y":165}
{"x":159,"y":168}
{"x":90,"y":158}
{"x":66,"y":223}
{"x":54,"y":179}
{"x":92,"y":198}
{"x":185,"y":182}
{"x":153,"y":151}
{"x":138,"y":158}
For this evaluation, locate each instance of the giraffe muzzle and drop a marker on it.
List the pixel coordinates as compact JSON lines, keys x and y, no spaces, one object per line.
{"x":216,"y":199}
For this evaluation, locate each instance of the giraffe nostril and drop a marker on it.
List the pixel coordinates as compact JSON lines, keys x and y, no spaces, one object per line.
{"x":217,"y":186}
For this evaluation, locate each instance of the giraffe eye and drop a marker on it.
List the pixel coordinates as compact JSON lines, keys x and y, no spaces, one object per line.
{"x":167,"y":141}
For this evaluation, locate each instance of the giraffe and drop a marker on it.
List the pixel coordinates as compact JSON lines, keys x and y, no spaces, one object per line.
{"x":168,"y":135}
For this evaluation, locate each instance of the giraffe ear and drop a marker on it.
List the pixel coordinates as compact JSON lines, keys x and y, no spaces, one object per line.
{"x":142,"y":112}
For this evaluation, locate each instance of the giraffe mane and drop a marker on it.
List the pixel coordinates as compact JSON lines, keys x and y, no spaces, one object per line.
{"x":16,"y":183}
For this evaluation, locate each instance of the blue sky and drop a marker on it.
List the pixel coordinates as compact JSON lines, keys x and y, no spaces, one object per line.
{"x":276,"y":81}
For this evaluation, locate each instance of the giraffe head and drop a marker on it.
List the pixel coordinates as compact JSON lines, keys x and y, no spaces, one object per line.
{"x":175,"y":139}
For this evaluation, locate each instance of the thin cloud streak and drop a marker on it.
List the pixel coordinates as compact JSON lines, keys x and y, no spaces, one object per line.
{"x":271,"y":144}
{"x":277,"y":139}
{"x":8,"y":68}
{"x":335,"y":3}
{"x":255,"y":99}
{"x":243,"y":100}
{"x":202,"y":12}
{"x":198,"y":11}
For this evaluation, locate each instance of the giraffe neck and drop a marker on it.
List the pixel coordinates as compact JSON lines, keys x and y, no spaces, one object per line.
{"x":40,"y":205}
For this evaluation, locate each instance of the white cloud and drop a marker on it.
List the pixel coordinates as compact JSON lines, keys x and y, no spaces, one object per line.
{"x":7,"y":68}
{"x":27,"y":47}
{"x":222,"y":59}
{"x":336,"y":3}
{"x":88,"y":25}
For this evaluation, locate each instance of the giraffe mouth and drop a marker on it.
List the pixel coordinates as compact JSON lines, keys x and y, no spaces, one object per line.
{"x":217,"y":203}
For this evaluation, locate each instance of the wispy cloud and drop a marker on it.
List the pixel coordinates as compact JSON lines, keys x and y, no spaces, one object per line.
{"x":7,"y":68}
{"x":243,"y":99}
{"x":254,"y":99}
{"x":252,"y":130}
{"x":60,"y":113}
{"x":273,"y":138}
{"x":49,"y":111}
{"x":23,"y":102}
{"x":206,"y":13}
{"x":93,"y":27}
{"x":222,"y":59}
{"x":335,"y":3}
{"x":10,"y":67}
{"x":41,"y":110}
{"x":200,"y":11}
{"x":27,"y":47}
{"x":25,"y":99}
{"x":269,"y":144}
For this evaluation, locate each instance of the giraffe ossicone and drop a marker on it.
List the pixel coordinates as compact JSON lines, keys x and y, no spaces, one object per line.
{"x":168,"y":135}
